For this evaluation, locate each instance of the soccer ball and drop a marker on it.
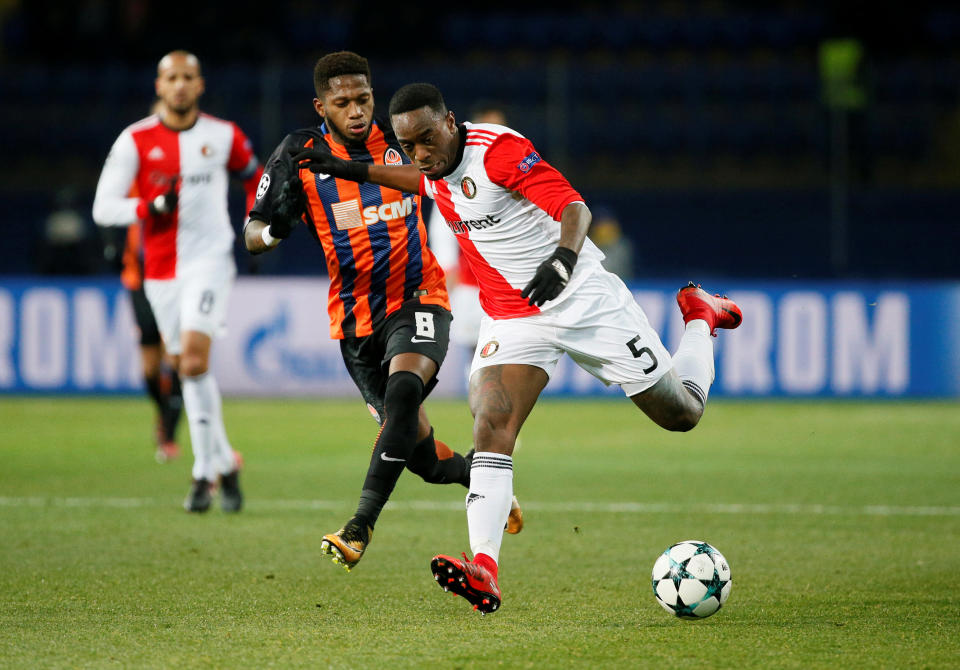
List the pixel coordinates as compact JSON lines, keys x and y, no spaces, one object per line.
{"x":691,"y":579}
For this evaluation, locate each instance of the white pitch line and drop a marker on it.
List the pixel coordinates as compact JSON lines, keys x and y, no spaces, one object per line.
{"x":456,"y":506}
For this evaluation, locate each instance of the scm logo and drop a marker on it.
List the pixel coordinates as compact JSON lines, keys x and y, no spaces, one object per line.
{"x":388,"y":211}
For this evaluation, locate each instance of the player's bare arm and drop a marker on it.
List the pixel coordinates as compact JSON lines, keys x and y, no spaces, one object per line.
{"x":253,"y":236}
{"x":405,"y":178}
{"x":574,"y":224}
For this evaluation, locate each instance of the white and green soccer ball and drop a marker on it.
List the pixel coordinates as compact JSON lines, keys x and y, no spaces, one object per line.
{"x":691,"y":579}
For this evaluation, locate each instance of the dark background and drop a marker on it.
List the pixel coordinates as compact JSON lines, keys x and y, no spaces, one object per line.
{"x":704,"y":126}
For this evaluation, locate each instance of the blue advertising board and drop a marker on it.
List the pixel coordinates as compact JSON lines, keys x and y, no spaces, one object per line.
{"x":798,"y":339}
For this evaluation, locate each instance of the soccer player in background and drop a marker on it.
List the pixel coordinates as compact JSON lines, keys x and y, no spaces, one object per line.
{"x":523,"y":229}
{"x":180,"y":161}
{"x":388,"y":304}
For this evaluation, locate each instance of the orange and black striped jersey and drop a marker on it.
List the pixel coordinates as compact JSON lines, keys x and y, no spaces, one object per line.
{"x":373,"y":237}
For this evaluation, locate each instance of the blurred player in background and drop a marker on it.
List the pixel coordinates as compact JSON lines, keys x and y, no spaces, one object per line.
{"x":523,"y":229}
{"x":125,"y":251}
{"x":179,"y":162}
{"x":387,"y":303}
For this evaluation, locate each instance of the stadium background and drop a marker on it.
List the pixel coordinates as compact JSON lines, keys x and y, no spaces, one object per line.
{"x":805,"y":155}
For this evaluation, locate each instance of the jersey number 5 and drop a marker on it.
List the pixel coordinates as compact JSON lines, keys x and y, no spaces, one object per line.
{"x":637,"y":353}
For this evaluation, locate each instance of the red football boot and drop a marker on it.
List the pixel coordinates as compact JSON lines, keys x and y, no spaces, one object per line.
{"x":718,"y":311}
{"x":470,"y":580}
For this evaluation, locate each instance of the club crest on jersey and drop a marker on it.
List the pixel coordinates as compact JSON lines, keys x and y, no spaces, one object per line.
{"x":489,"y":349}
{"x":263,"y":185}
{"x":468,"y":187}
{"x":529,"y":162}
{"x":392,"y":157}
{"x":206,"y":150}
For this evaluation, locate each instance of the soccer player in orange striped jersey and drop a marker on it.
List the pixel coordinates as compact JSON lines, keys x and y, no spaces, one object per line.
{"x":388,"y":302}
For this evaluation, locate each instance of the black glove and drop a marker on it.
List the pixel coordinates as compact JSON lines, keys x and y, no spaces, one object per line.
{"x":551,"y":277}
{"x":288,"y":208}
{"x":165,"y":203}
{"x":321,"y":161}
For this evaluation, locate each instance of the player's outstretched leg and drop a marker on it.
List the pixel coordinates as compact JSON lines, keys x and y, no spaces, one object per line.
{"x":677,"y":401}
{"x":474,"y":581}
{"x":347,"y":544}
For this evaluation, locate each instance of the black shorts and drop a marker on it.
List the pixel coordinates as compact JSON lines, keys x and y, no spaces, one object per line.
{"x":149,"y":333}
{"x":414,"y":328}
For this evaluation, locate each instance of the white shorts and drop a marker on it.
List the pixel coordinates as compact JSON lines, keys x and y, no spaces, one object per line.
{"x":600,"y":326}
{"x":194,"y":300}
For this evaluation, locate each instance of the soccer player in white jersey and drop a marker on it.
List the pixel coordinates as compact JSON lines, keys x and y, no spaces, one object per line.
{"x":523,"y":229}
{"x":179,"y":161}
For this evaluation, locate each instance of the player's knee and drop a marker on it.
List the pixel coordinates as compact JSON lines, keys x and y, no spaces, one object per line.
{"x":401,"y":405}
{"x":683,"y":421}
{"x":492,"y":432}
{"x":192,"y":365}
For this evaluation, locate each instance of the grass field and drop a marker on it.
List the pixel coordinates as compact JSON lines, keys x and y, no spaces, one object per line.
{"x":841,"y":523}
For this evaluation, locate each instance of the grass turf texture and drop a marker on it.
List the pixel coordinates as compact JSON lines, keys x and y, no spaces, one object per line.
{"x":100,"y":567}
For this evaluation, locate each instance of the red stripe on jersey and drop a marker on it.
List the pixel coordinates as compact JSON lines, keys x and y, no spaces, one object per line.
{"x":159,"y":150}
{"x":471,"y":143}
{"x":444,"y":201}
{"x":475,"y":131}
{"x":498,"y":298}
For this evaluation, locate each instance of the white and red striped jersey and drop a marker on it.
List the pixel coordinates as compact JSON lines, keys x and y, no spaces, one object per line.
{"x":149,"y":155}
{"x":503,"y":202}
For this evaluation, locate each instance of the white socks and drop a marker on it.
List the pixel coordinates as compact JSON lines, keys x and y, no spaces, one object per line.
{"x":212,"y":453}
{"x":694,"y":359}
{"x":488,"y":502}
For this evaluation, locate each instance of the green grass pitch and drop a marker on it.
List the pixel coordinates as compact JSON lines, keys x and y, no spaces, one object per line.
{"x":841,"y":522}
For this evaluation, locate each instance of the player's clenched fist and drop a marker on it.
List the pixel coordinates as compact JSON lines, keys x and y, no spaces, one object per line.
{"x":320,"y":161}
{"x":288,"y":208}
{"x":551,"y":277}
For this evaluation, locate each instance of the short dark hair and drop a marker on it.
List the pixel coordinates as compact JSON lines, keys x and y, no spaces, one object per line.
{"x":338,"y":64}
{"x":415,"y":96}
